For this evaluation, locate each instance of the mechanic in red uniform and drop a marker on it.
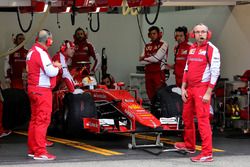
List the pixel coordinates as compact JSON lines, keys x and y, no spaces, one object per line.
{"x":42,"y":74}
{"x":154,"y":57}
{"x":201,"y":73}
{"x":181,"y":51}
{"x":14,"y":65}
{"x":83,"y":51}
{"x":64,"y":56}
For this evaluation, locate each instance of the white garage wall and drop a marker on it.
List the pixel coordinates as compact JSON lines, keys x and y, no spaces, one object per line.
{"x":120,"y":36}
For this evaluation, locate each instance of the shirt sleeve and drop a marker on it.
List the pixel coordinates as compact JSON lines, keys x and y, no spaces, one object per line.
{"x":184,"y":79}
{"x":215,"y":67}
{"x":93,"y":55}
{"x":49,"y":69}
{"x":143,"y":61}
{"x":160,"y":54}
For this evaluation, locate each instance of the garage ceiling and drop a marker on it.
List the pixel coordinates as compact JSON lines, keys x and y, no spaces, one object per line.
{"x":15,"y":3}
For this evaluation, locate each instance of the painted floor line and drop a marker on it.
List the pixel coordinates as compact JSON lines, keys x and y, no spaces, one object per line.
{"x":79,"y":145}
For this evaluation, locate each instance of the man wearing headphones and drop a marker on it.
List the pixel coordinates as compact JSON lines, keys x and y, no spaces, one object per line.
{"x":154,"y":57}
{"x":64,"y":56}
{"x":42,"y":74}
{"x":14,"y":65}
{"x":83,"y":51}
{"x":180,"y":51}
{"x":200,"y":75}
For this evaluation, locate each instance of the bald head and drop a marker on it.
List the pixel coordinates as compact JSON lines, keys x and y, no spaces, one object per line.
{"x":200,"y":25}
{"x":43,"y":35}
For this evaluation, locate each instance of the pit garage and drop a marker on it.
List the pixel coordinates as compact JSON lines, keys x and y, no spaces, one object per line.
{"x":121,"y":127}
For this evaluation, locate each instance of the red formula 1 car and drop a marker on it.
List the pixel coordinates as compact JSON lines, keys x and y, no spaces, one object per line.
{"x":98,"y":110}
{"x":105,"y":110}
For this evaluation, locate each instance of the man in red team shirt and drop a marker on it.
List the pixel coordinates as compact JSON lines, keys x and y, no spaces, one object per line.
{"x":14,"y":65}
{"x":64,"y":56}
{"x":83,"y":51}
{"x":200,"y":75}
{"x":180,"y":51}
{"x":42,"y":74}
{"x":154,"y":57}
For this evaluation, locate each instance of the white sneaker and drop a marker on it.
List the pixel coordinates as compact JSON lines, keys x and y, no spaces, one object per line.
{"x":46,"y":157}
{"x":5,"y":133}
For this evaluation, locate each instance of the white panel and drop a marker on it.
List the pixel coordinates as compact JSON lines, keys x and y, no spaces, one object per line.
{"x":13,"y":3}
{"x":199,"y":2}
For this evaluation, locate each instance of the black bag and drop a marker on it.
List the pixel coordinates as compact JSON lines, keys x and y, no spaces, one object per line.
{"x":170,"y":102}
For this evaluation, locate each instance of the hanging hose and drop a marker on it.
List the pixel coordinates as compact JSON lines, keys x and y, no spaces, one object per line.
{"x":20,"y":24}
{"x":90,"y":22}
{"x":156,"y":16}
{"x":57,"y":20}
{"x":73,"y":15}
{"x":30,"y":35}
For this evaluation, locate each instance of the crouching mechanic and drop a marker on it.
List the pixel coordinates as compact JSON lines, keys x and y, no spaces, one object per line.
{"x":42,"y":74}
{"x":64,"y":56}
{"x":200,"y":75}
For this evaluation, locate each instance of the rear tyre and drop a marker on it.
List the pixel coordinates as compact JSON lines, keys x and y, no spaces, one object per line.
{"x":16,"y":108}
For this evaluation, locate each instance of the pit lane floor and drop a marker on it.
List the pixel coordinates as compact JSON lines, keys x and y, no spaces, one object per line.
{"x":230,"y":149}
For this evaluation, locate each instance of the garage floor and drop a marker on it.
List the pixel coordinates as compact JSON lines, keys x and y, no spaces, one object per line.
{"x":89,"y":148}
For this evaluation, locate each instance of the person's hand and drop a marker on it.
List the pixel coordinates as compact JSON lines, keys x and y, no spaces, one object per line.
{"x":141,"y":58}
{"x":184,"y":95}
{"x":57,"y":64}
{"x":206,"y":97}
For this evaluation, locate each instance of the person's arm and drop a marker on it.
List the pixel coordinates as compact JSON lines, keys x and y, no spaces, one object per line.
{"x":162,"y":51}
{"x":215,"y":72}
{"x":214,"y":67}
{"x":141,"y":59}
{"x":67,"y":78}
{"x":50,"y":69}
{"x":184,"y":94}
{"x":93,"y":55}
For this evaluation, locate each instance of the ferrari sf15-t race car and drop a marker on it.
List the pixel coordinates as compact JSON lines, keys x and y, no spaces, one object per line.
{"x":106,"y":110}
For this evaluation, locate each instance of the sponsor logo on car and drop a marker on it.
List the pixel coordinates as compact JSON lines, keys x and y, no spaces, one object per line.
{"x":102,"y":96}
{"x":134,"y":106}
